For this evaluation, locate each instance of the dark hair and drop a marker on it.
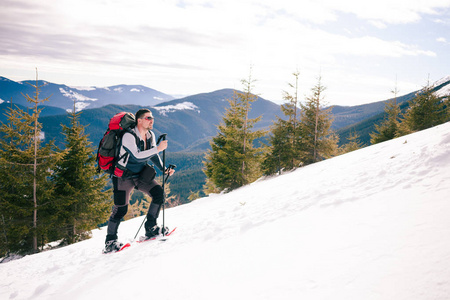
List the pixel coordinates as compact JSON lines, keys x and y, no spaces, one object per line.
{"x":142,"y":112}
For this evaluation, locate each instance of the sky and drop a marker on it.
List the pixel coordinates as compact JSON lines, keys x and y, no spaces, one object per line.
{"x":362,"y":51}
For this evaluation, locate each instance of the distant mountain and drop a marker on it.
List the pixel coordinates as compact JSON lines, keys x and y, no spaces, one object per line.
{"x":190,"y":122}
{"x":364,"y":126}
{"x":46,"y":110}
{"x":349,"y":115}
{"x":63,"y":96}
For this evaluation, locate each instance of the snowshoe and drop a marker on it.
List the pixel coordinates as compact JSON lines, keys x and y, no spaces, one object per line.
{"x":155,"y":231}
{"x":112,"y":246}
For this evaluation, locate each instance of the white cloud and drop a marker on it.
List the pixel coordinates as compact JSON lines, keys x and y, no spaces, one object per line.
{"x":192,"y":46}
{"x":441,"y":40}
{"x":443,"y":21}
{"x":379,"y":13}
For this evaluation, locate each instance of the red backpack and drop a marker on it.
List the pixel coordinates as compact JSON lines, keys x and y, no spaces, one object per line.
{"x":109,"y":146}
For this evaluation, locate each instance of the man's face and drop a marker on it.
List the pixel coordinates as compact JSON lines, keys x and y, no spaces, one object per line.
{"x":147,"y":121}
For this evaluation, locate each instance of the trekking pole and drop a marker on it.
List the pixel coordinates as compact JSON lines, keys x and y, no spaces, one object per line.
{"x":165,"y":180}
{"x":163,"y":137}
{"x":140,"y":227}
{"x":164,"y":193}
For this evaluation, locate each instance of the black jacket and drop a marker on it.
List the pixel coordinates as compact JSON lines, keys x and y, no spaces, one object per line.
{"x":134,"y":153}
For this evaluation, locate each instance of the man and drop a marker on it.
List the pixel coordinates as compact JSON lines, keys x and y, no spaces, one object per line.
{"x":136,"y":152}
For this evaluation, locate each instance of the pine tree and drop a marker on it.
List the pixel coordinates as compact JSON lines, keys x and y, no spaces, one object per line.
{"x":171,"y":200}
{"x":193,"y":196}
{"x":82,"y":200}
{"x":139,"y":204}
{"x":233,"y":160}
{"x":317,"y":140}
{"x":390,"y":128}
{"x":209,"y":187}
{"x":284,"y":151}
{"x":353,"y":143}
{"x":25,"y":166}
{"x":425,"y":110}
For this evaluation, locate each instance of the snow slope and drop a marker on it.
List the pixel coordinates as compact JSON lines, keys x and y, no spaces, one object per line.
{"x":371,"y":224}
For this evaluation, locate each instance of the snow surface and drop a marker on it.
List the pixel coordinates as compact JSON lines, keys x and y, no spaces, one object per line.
{"x":371,"y":224}
{"x":442,"y":80}
{"x":163,"y":110}
{"x":80,"y":103}
{"x":74,"y":95}
{"x":444,"y":91}
{"x":84,"y":88}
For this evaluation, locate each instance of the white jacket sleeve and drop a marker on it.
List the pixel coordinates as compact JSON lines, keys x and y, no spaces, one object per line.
{"x":129,"y":145}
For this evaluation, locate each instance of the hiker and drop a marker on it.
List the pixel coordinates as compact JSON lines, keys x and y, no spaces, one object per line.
{"x":138,"y":150}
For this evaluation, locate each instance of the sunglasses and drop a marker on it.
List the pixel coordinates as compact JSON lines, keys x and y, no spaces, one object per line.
{"x":148,"y":118}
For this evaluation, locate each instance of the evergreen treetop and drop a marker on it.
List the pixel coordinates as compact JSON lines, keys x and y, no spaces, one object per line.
{"x":233,"y":160}
{"x":25,"y":166}
{"x":318,"y":141}
{"x":82,"y":200}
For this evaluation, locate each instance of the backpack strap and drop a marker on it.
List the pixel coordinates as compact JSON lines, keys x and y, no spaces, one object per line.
{"x":98,"y":153}
{"x":119,"y":146}
{"x":129,"y":130}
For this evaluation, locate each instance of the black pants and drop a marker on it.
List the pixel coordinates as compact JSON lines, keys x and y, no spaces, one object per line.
{"x":122,"y":191}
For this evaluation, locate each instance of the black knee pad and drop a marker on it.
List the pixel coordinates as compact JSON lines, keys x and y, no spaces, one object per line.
{"x":153,"y":211}
{"x":120,"y":197}
{"x":121,"y":212}
{"x":157,"y":195}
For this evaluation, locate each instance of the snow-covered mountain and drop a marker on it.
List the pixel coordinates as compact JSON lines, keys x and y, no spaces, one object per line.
{"x":371,"y":224}
{"x":63,"y":96}
{"x":442,"y":87}
{"x":190,"y":122}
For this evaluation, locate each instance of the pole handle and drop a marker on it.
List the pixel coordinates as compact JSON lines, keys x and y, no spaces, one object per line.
{"x":161,"y":137}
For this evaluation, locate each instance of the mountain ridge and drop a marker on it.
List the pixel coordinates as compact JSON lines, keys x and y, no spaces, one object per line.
{"x":191,"y":120}
{"x":365,"y":127}
{"x":63,"y":96}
